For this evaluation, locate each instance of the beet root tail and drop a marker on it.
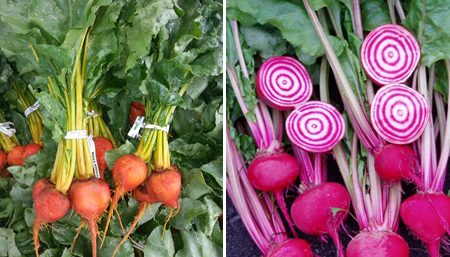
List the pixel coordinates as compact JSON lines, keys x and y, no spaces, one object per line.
{"x":282,"y":204}
{"x":93,"y":228}
{"x":433,"y":248}
{"x":141,"y":212}
{"x":36,"y":227}
{"x":117,"y":194}
{"x":334,"y":234}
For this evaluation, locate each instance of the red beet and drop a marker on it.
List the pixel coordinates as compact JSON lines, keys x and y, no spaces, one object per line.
{"x":136,"y":109}
{"x":397,"y":162}
{"x":101,"y":146}
{"x":15,"y":156}
{"x":50,"y":205}
{"x":273,"y":173}
{"x":30,"y":149}
{"x":427,"y":215}
{"x":165,"y":186}
{"x":128,"y":172}
{"x":291,"y":248}
{"x":312,"y":211}
{"x":377,"y":244}
{"x":89,"y":198}
{"x":2,"y":159}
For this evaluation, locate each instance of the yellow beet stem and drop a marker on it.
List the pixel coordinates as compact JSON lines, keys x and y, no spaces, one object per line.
{"x":8,"y":143}
{"x":58,"y":161}
{"x":159,"y":162}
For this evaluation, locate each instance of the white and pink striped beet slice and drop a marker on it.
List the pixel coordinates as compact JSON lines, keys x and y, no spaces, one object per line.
{"x":399,"y":114}
{"x":390,"y":54}
{"x":283,"y":83}
{"x":315,"y":127}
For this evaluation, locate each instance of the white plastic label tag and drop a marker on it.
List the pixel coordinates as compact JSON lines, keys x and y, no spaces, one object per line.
{"x":6,"y":128}
{"x":91,"y":114}
{"x":91,"y":145}
{"x":151,"y":126}
{"x":32,"y":108}
{"x":76,"y":134}
{"x":138,"y":124}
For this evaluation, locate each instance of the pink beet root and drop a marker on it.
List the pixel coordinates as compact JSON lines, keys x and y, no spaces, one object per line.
{"x":291,"y":248}
{"x":427,"y":215}
{"x":397,"y":162}
{"x":312,"y":211}
{"x":273,"y":172}
{"x":377,"y":244}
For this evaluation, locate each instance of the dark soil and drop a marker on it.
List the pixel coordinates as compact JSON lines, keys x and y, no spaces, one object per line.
{"x":239,"y":243}
{"x":4,"y":173}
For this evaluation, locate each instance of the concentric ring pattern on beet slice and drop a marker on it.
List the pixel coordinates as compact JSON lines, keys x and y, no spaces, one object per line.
{"x":399,"y":114}
{"x":315,"y":127}
{"x":283,"y":83}
{"x":390,"y":54}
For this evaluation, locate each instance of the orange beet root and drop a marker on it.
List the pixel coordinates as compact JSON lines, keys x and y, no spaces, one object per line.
{"x":40,"y":185}
{"x":30,"y":149}
{"x":89,"y":198}
{"x":136,"y":109}
{"x":50,"y":205}
{"x":128,"y":172}
{"x":2,"y":159}
{"x":15,"y":156}
{"x":142,"y":195}
{"x":165,"y":185}
{"x":101,"y":146}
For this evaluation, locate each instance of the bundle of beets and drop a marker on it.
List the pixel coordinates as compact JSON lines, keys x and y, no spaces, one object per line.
{"x":378,"y":137}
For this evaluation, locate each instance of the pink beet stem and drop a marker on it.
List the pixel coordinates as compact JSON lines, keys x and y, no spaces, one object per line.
{"x":320,"y":168}
{"x":261,"y":226}
{"x":438,"y":182}
{"x":359,"y":121}
{"x":263,"y":130}
{"x":278,"y":225}
{"x":427,"y":156}
{"x":253,"y":126}
{"x":306,"y":167}
{"x":278,"y":124}
{"x":358,"y":198}
{"x":282,"y":204}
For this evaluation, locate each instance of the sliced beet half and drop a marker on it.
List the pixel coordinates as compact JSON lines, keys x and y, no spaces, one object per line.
{"x":399,"y":114}
{"x":315,"y":127}
{"x":283,"y":83}
{"x":390,"y":54}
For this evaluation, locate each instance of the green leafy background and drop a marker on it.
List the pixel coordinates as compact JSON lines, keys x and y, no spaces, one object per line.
{"x":144,"y":49}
